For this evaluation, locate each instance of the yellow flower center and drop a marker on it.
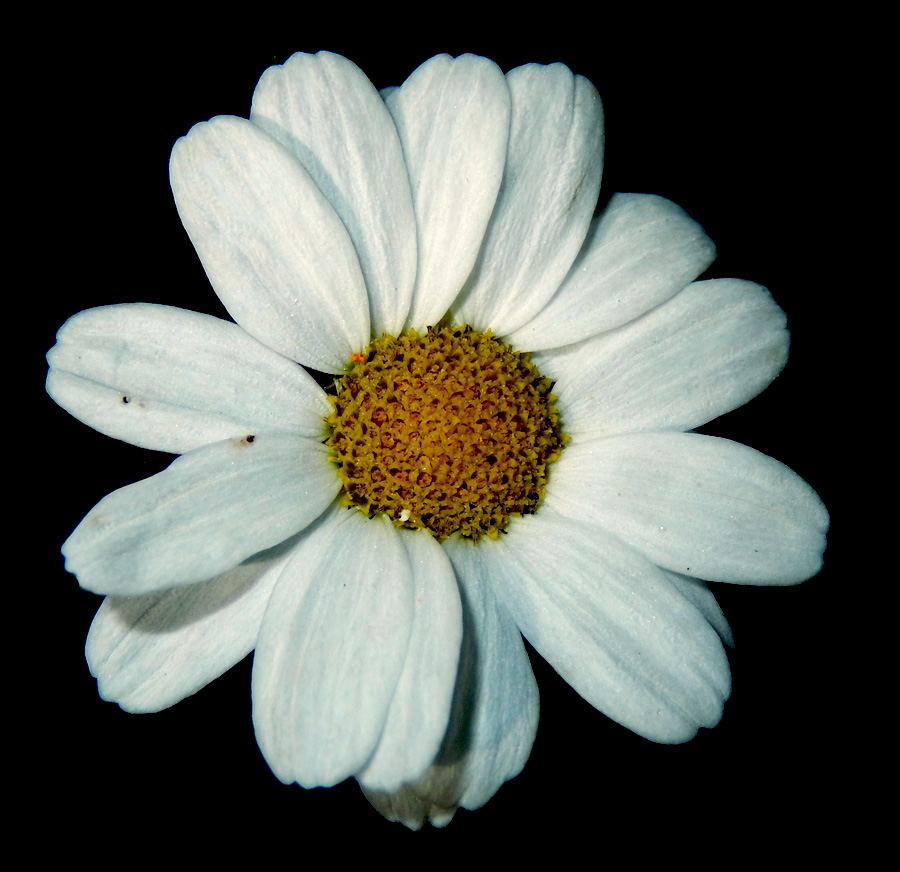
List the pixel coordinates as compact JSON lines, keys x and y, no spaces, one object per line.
{"x":451,"y":431}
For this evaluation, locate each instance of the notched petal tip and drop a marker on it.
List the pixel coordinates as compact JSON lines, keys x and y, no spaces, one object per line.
{"x":413,"y":806}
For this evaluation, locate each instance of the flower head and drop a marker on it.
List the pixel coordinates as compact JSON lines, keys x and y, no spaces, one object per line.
{"x":505,"y":450}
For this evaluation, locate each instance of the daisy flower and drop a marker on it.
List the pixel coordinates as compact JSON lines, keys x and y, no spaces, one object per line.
{"x":503,"y":447}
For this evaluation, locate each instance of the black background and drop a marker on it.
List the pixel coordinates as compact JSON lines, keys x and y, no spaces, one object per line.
{"x":735,"y":124}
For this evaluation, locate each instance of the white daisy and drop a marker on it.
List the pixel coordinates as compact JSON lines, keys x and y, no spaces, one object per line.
{"x":388,"y":636}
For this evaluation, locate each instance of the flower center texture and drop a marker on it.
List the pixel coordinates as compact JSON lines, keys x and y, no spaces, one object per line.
{"x":451,"y":431}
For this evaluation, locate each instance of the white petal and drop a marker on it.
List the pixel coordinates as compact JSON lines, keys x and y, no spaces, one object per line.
{"x":275,"y":251}
{"x":420,"y":710}
{"x":543,"y":211}
{"x":639,"y":252}
{"x":172,"y":380}
{"x":708,"y":350}
{"x":697,"y":505}
{"x":696,"y":591}
{"x":149,"y":652}
{"x":331,"y":649}
{"x":453,"y":121}
{"x":499,"y":693}
{"x":209,"y":510}
{"x":612,"y":625}
{"x":324,"y":110}
{"x":495,"y":713}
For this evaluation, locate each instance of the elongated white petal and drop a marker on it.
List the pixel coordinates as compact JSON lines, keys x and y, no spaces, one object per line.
{"x":453,"y":121}
{"x":331,"y":649}
{"x":708,"y":350}
{"x":639,"y":252}
{"x":149,"y":652}
{"x":273,"y":247}
{"x":547,"y":196}
{"x":697,"y":505}
{"x":495,"y":711}
{"x":172,"y":380}
{"x":209,"y":510}
{"x":612,"y":625}
{"x":324,"y":110}
{"x":498,"y":695}
{"x":419,"y":713}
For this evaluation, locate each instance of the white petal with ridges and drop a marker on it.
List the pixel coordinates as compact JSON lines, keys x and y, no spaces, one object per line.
{"x":708,"y":350}
{"x":696,"y":505}
{"x":420,"y":710}
{"x":453,"y":121}
{"x":324,"y":110}
{"x":498,"y":693}
{"x":273,"y":247}
{"x":149,"y":652}
{"x":172,"y":380}
{"x":209,"y":510}
{"x":547,"y":196}
{"x":612,"y":625}
{"x":331,"y":649}
{"x":638,"y":253}
{"x":495,"y":710}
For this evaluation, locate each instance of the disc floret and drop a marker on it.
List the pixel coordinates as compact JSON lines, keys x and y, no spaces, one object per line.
{"x":451,"y":431}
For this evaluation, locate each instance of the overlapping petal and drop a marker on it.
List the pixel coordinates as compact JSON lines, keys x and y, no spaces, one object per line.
{"x":499,"y":695}
{"x":696,"y":591}
{"x":453,"y":121}
{"x":696,"y":505}
{"x":432,"y":798}
{"x":612,"y":625}
{"x":495,"y":715}
{"x":541,"y":217}
{"x":209,"y":510}
{"x":708,"y":350}
{"x":150,"y":652}
{"x":153,"y":376}
{"x":329,"y":116}
{"x":273,"y":247}
{"x":332,"y":649}
{"x":420,"y":710}
{"x":640,"y":251}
